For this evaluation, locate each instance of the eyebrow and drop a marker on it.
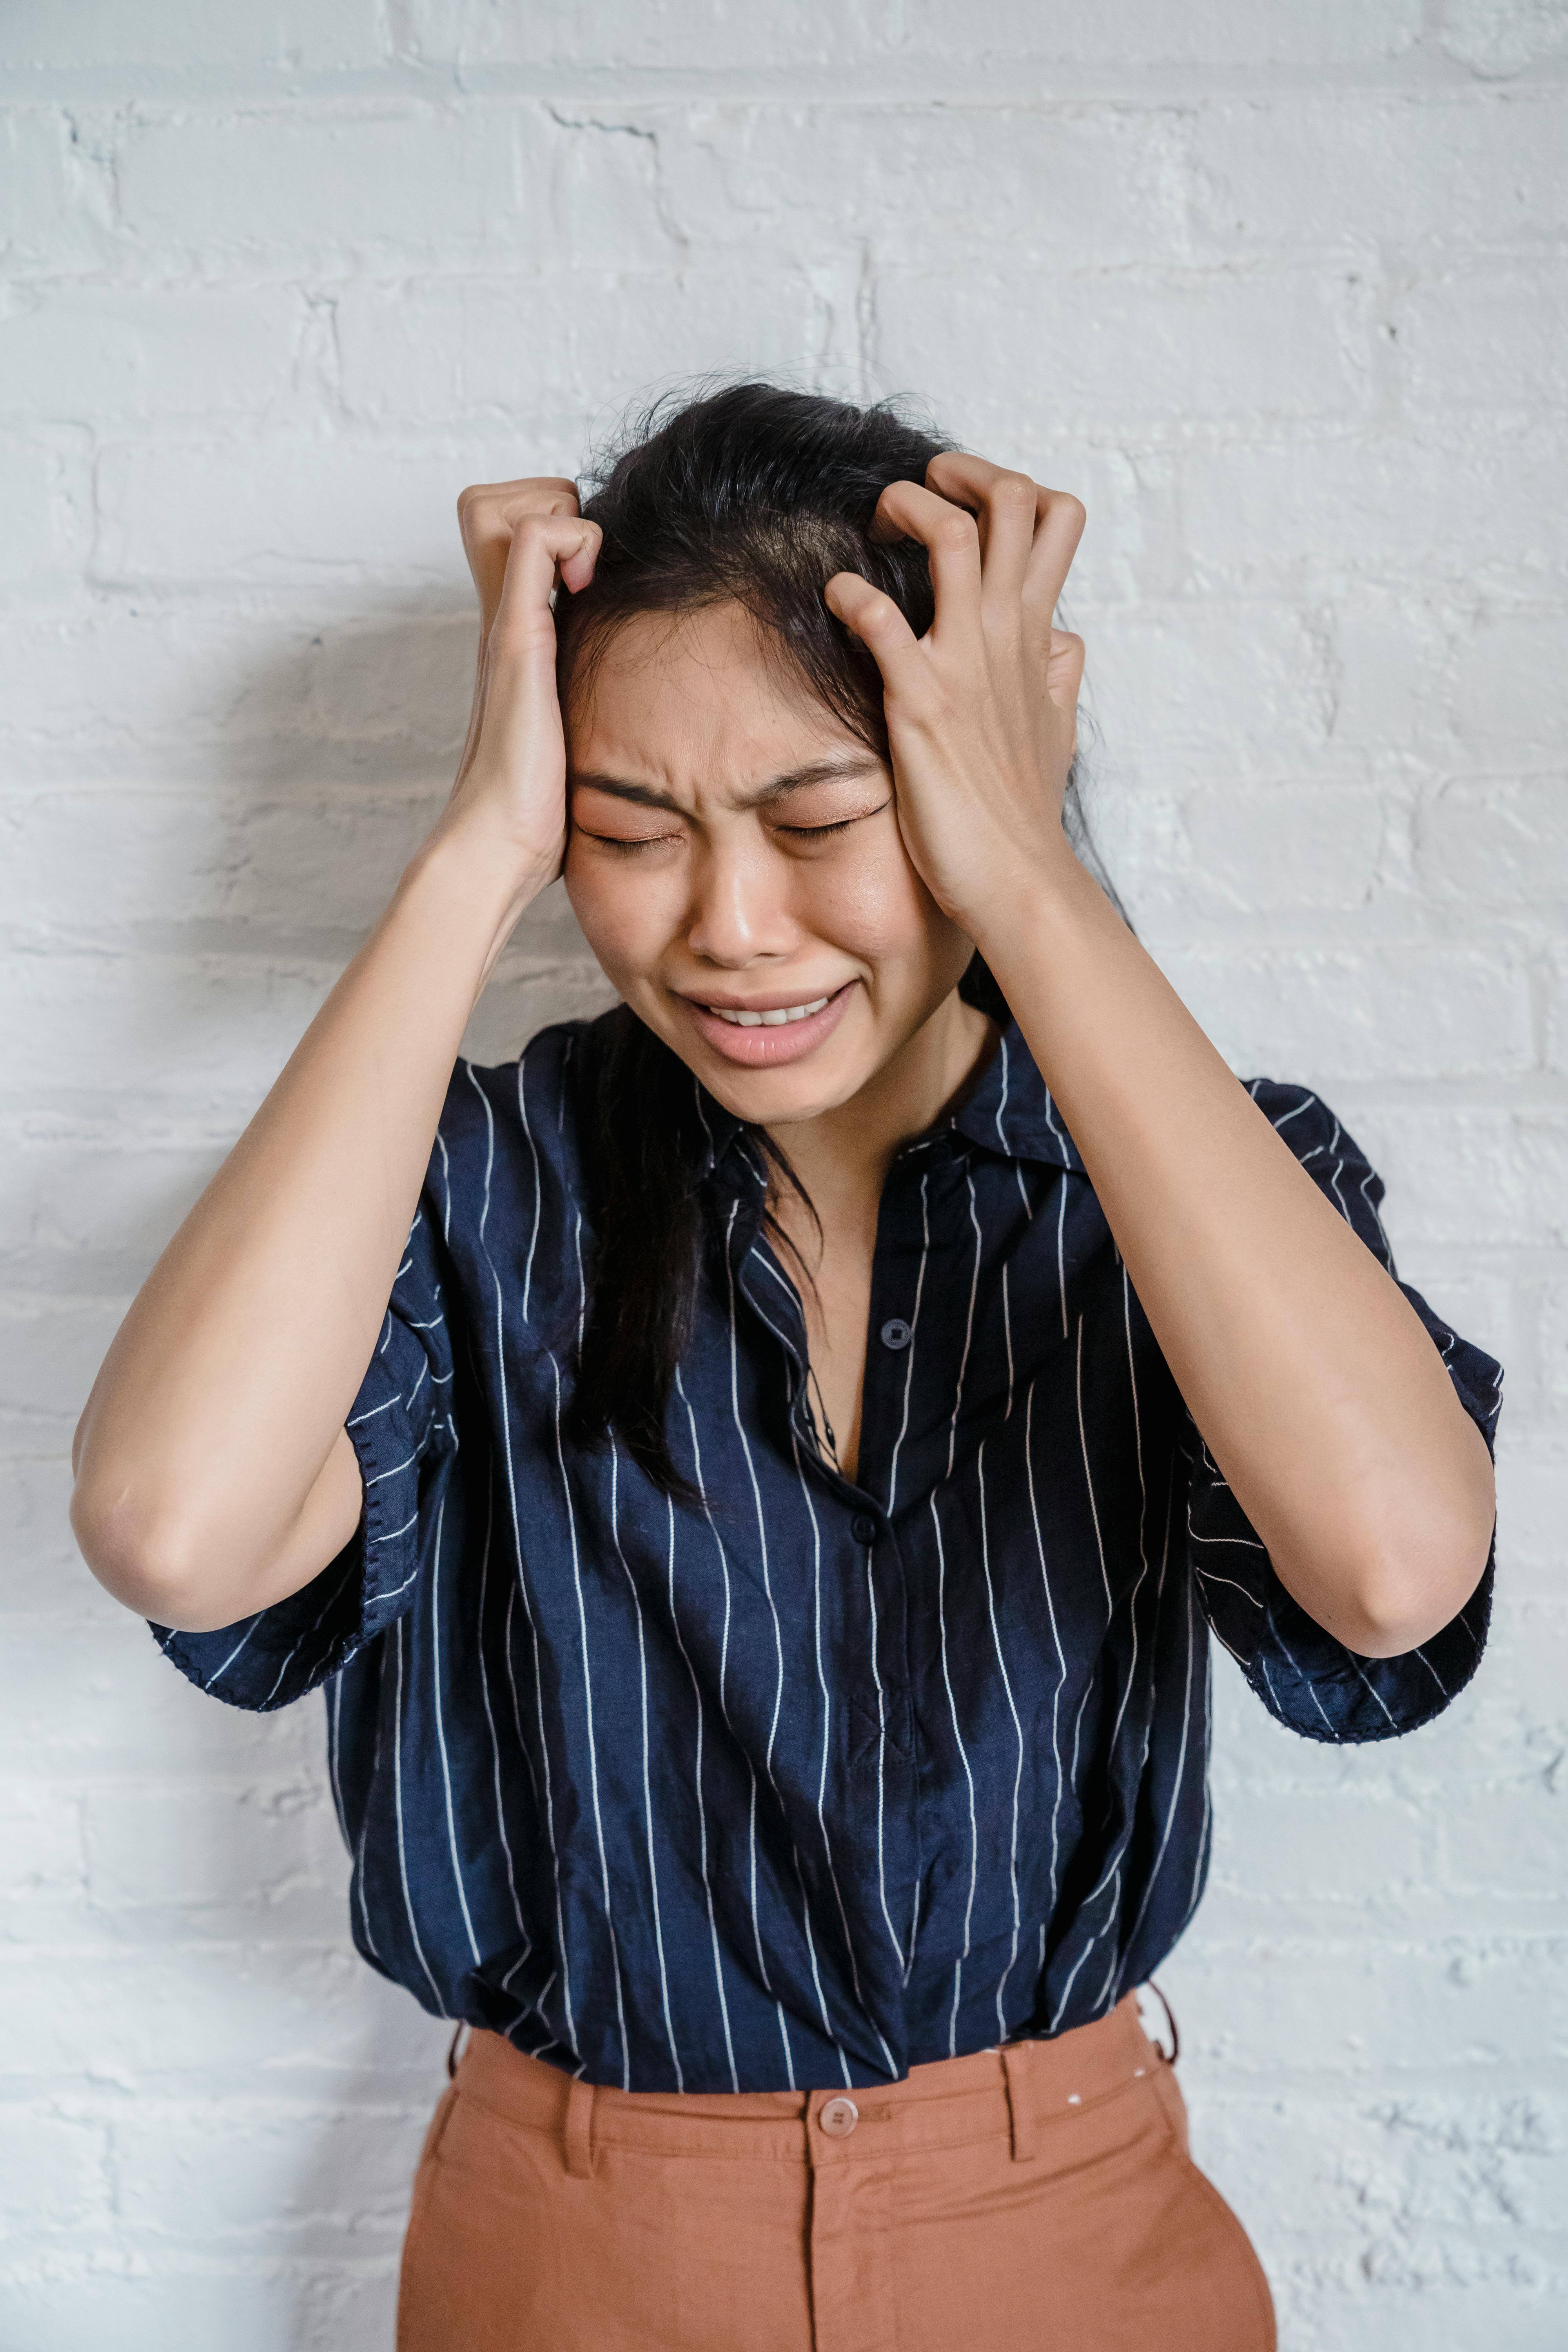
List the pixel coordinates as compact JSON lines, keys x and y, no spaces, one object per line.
{"x":792,"y":780}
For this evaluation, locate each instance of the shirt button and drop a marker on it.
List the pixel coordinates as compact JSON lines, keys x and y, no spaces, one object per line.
{"x":896,"y":1332}
{"x":863,"y":1527}
{"x":839,"y":2117}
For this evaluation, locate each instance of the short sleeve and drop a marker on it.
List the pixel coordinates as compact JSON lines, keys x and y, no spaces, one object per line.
{"x":404,"y":1434}
{"x":1305,"y":1678}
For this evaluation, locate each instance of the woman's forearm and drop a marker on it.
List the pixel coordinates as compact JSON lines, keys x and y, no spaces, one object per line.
{"x":212,"y":1473}
{"x":1315,"y":1385}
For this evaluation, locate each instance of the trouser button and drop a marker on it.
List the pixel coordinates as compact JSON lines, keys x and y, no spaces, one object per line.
{"x":839,"y":2117}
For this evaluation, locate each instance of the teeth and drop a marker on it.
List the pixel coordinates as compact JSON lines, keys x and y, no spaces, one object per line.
{"x":768,"y":1020}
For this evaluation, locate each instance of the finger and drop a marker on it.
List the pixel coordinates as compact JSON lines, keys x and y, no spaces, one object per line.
{"x":1057,"y":531}
{"x":1006,"y":506}
{"x":487,"y":513}
{"x":1063,"y":670}
{"x":952,"y":542}
{"x":540,"y":545}
{"x":878,"y":623}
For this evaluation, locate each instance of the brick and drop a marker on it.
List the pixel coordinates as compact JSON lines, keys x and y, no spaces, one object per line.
{"x":1509,"y":1838}
{"x":1511,"y":689}
{"x":1556,"y":975}
{"x":429,"y":350}
{"x":292,"y":36}
{"x":147,"y":2300}
{"x":1494,"y":842}
{"x":246,"y":1858}
{"x":196,"y":1030}
{"x":109,"y":352}
{"x":1415,"y":1012}
{"x":1461,"y":1174}
{"x":1183,"y":689}
{"x":209,"y":2023}
{"x":225,"y":2174}
{"x":55,"y":192}
{"x":1490,"y":337}
{"x":42,"y":1872}
{"x":208,"y":695}
{"x":50,"y":1351}
{"x":394,"y":182}
{"x":46,"y":493}
{"x":39,"y":1568}
{"x":1352,"y":170}
{"x":1277,"y":848}
{"x":54,"y":2176}
{"x":1503,"y":37}
{"x":1126,"y":33}
{"x":1035,"y":182}
{"x":1439,"y":504}
{"x":319,"y":509}
{"x":1348,"y":1850}
{"x":1204,"y":346}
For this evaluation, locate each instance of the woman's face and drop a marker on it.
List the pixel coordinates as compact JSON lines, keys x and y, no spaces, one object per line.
{"x":735,"y":863}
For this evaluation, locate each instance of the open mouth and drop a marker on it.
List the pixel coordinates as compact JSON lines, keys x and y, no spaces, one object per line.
{"x":761,"y":1036}
{"x":772,"y":1020}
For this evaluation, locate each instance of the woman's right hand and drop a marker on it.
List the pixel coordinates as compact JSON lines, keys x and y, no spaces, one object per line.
{"x":521,"y":538}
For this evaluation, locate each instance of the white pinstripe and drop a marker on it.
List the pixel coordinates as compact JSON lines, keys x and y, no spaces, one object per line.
{"x":401,"y":1852}
{"x":1088,"y":1475}
{"x":647,"y":1789}
{"x":968,"y":1775}
{"x":822,"y":1782}
{"x":1057,"y":1638}
{"x":701,"y":1804}
{"x":1017,"y":1733}
{"x":588,"y":1679}
{"x":520,"y":1585}
{"x":914,"y":1327}
{"x":772,"y":1612}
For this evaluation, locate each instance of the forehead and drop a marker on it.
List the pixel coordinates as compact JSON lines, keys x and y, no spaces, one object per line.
{"x":696,"y":697}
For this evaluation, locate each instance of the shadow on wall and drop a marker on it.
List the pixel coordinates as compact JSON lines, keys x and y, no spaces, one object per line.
{"x":279,"y":2088}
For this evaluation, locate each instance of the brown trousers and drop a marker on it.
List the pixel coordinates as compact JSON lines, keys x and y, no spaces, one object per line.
{"x":1015,"y":2200}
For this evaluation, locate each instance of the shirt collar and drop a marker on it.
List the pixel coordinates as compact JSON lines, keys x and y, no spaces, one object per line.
{"x":1008,"y":1111}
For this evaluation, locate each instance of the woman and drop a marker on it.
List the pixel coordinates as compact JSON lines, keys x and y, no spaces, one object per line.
{"x":759,"y":1559}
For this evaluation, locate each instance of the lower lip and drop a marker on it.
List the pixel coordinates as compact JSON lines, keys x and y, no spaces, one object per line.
{"x":767,"y":1048}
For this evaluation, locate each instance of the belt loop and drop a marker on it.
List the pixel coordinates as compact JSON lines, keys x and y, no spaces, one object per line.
{"x":580,"y":2151}
{"x":1175,"y":2051}
{"x":1020,"y":2106}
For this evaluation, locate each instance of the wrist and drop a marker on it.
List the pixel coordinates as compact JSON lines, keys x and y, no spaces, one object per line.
{"x":1042,"y":888}
{"x":483,"y":877}
{"x":487,"y":862}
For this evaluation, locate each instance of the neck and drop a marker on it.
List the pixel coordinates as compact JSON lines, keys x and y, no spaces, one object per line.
{"x":849,"y":1150}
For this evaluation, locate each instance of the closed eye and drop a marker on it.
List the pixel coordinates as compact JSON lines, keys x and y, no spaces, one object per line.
{"x":639,"y":841}
{"x":825,"y":832}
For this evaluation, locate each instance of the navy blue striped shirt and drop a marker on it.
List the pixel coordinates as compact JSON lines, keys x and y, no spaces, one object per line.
{"x":820,"y":1779}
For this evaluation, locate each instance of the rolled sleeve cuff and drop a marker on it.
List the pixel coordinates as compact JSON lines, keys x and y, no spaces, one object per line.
{"x":268,"y":1660}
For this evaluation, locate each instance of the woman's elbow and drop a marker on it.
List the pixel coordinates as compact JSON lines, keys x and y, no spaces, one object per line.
{"x":1412,"y":1591}
{"x":143,"y":1559}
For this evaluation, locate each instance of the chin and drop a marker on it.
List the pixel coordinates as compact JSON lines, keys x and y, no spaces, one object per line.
{"x":780,"y":1098}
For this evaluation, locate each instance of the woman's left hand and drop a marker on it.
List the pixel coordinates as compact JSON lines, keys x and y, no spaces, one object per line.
{"x":981,"y":710}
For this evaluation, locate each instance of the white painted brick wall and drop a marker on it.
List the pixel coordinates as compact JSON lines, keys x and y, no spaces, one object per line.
{"x":1283,"y":289}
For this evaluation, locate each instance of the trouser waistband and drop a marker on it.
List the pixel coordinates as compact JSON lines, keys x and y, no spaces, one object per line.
{"x":1015,"y":2091}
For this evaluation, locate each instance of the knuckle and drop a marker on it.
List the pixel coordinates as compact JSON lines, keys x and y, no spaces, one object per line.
{"x":1017,"y":492}
{"x":955,"y":528}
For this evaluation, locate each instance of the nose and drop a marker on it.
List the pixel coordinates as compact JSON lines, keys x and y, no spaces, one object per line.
{"x":740,"y":909}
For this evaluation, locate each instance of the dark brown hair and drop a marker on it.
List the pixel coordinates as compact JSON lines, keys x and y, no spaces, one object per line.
{"x":753,"y":496}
